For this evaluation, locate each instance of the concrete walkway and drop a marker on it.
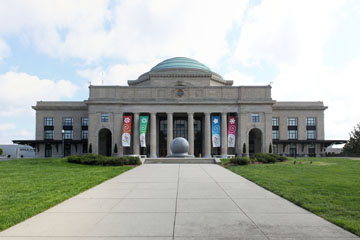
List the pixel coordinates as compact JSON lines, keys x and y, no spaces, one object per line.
{"x":176,"y":202}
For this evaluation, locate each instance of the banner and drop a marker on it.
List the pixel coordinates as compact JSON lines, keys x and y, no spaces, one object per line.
{"x":231,"y":131}
{"x":215,"y":130}
{"x":126,"y":131}
{"x":143,"y":127}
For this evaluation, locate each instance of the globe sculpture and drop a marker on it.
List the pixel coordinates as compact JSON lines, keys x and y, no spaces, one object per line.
{"x":179,"y":148}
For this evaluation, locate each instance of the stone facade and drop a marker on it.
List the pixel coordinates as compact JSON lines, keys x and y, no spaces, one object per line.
{"x":191,"y":95}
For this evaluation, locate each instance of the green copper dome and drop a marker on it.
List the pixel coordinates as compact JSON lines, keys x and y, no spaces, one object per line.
{"x":180,"y":62}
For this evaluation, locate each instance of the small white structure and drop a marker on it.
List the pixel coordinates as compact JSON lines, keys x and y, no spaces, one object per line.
{"x":17,"y":151}
{"x":334,"y":149}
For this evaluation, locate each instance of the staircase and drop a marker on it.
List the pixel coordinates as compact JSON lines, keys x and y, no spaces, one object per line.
{"x":181,"y":160}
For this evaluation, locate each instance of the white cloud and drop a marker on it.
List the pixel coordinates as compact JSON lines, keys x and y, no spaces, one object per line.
{"x":286,"y":32}
{"x":7,"y":126}
{"x":240,"y":78}
{"x":137,"y":31}
{"x":4,"y":50}
{"x":19,"y":91}
{"x":118,"y":74}
{"x":13,"y":134}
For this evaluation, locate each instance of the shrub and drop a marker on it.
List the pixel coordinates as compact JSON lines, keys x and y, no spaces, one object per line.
{"x":1,"y":151}
{"x":260,"y":157}
{"x":240,"y":161}
{"x":244,"y":148}
{"x":269,"y":158}
{"x":90,"y":148}
{"x":93,"y":159}
{"x":270,"y":148}
{"x":115,"y":148}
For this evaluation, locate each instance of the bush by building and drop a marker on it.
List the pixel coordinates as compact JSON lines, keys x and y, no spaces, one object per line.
{"x":258,"y":158}
{"x":240,"y":160}
{"x":94,"y":159}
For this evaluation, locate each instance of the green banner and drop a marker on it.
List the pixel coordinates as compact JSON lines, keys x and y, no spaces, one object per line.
{"x":143,"y":127}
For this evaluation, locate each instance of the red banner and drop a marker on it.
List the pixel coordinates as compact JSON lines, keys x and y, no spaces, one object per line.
{"x":126,"y":131}
{"x":231,"y":131}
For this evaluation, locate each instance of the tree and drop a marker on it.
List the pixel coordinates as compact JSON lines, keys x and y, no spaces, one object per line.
{"x":115,"y":148}
{"x":353,"y":145}
{"x":270,"y":148}
{"x":90,"y":148}
{"x":1,"y":151}
{"x":244,"y":148}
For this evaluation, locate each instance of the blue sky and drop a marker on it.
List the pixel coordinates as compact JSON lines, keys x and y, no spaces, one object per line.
{"x":50,"y":50}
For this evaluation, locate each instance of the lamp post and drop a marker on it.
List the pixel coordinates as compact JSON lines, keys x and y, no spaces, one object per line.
{"x":63,"y":146}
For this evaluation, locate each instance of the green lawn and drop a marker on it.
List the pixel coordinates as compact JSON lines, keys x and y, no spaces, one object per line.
{"x":30,"y":186}
{"x":328,"y":187}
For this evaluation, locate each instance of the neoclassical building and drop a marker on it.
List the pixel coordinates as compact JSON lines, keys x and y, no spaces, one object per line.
{"x":179,"y":97}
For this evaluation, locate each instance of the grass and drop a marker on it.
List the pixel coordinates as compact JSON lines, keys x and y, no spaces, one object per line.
{"x":30,"y":186}
{"x":327,"y":187}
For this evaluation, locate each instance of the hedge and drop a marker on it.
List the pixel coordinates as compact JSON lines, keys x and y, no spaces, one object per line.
{"x":259,"y":157}
{"x":240,"y":160}
{"x":94,"y":159}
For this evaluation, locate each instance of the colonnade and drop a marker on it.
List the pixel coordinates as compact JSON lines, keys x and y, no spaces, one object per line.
{"x":170,"y":129}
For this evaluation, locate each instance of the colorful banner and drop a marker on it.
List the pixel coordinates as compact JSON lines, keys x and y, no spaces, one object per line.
{"x":215,"y":130}
{"x":126,"y":131}
{"x":231,"y":131}
{"x":143,"y":127}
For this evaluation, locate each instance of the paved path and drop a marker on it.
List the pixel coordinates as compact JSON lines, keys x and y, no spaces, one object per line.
{"x":176,"y":202}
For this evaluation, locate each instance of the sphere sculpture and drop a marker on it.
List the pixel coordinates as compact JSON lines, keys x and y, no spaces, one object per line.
{"x":179,"y":147}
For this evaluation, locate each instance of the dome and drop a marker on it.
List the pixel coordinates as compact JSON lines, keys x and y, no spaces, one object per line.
{"x":180,"y":62}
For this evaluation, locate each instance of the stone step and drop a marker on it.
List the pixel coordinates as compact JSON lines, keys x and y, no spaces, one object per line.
{"x":180,"y":160}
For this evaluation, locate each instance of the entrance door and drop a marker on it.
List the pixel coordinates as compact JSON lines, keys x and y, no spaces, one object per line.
{"x":48,"y":150}
{"x":105,"y":142}
{"x":67,"y":149}
{"x":162,"y":137}
{"x":255,"y":142}
{"x":197,"y":137}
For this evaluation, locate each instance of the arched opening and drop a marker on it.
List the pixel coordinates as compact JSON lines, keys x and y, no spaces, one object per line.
{"x":105,"y":142}
{"x":255,"y":141}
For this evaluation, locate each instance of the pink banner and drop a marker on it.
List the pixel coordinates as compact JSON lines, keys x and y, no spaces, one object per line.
{"x":231,"y":131}
{"x":126,"y":131}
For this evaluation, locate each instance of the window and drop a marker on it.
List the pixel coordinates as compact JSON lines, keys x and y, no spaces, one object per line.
{"x":275,"y":148}
{"x":275,"y":121}
{"x":311,"y":134}
{"x":275,"y":134}
{"x":84,"y":134}
{"x":68,"y":134}
{"x":104,"y":117}
{"x":49,"y":134}
{"x":292,"y":121}
{"x":84,"y":121}
{"x":48,"y":121}
{"x":68,"y":121}
{"x":293,"y":134}
{"x":311,"y":121}
{"x":255,"y":117}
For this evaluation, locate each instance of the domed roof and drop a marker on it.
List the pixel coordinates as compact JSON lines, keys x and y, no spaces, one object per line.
{"x":180,"y":62}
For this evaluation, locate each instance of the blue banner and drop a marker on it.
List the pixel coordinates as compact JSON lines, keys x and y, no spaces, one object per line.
{"x":215,"y":130}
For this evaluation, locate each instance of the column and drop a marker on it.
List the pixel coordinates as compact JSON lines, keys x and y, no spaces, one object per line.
{"x":153,"y":135}
{"x":136,"y":134}
{"x":207,"y":136}
{"x":169,"y":131}
{"x":224,"y":145}
{"x":191,"y":133}
{"x":118,"y":122}
{"x":238,"y":136}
